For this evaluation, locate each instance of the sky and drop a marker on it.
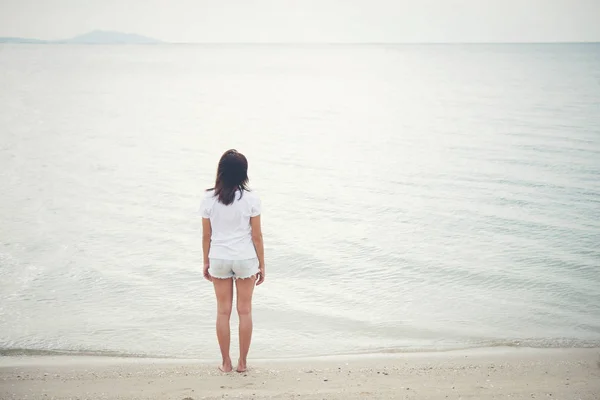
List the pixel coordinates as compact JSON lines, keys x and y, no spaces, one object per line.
{"x":308,"y":21}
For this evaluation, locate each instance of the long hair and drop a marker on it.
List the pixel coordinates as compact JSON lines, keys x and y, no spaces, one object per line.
{"x":232,"y":175}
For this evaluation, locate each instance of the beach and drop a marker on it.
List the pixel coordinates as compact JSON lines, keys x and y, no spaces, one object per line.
{"x":493,"y":373}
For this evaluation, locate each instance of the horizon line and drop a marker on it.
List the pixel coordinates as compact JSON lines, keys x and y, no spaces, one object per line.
{"x":388,"y":43}
{"x":160,"y":42}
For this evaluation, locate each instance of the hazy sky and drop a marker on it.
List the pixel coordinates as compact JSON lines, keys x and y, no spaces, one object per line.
{"x":309,"y":20}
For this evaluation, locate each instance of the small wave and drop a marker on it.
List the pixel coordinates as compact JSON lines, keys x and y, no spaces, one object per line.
{"x":558,"y":343}
{"x":12,"y":352}
{"x":553,"y":343}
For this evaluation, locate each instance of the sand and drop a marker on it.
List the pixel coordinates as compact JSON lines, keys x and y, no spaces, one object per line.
{"x":498,"y":373}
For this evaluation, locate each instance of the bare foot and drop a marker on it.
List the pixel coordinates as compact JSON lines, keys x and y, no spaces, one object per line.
{"x":226,"y":366}
{"x":241,"y":367}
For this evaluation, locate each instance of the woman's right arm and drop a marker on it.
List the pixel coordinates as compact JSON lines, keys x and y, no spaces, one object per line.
{"x":257,"y":239}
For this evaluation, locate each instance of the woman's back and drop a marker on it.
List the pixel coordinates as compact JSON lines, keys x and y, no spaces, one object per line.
{"x":231,"y":237}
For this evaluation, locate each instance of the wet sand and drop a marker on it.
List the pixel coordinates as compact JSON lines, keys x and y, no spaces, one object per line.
{"x":496,"y":373}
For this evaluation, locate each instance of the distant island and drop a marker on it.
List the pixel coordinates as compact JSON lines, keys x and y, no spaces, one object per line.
{"x":94,"y":37}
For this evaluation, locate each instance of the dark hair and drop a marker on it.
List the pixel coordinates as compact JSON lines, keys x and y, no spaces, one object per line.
{"x":232,"y":175}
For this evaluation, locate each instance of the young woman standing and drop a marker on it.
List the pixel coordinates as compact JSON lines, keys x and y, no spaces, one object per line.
{"x":232,"y":244}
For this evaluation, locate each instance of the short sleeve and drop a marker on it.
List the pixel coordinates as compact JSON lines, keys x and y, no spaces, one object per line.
{"x":255,"y":206}
{"x":206,"y":206}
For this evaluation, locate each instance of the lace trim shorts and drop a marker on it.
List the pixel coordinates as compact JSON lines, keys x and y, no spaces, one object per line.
{"x":236,"y":269}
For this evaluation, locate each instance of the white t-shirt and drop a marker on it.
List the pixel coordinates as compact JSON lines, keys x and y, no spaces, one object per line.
{"x":231,"y":233}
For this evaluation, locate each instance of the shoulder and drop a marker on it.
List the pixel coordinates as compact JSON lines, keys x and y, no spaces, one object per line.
{"x":251,"y":197}
{"x":251,"y":194}
{"x":207,"y":203}
{"x":253,"y":202}
{"x":209,"y":194}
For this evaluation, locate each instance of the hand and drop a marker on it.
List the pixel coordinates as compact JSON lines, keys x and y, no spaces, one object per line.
{"x":261,"y":275}
{"x":205,"y":272}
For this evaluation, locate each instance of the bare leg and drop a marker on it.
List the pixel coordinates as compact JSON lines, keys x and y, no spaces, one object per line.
{"x":245,"y":288}
{"x":224,"y":292}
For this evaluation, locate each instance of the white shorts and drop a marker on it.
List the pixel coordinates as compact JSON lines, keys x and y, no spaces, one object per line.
{"x":236,"y":269}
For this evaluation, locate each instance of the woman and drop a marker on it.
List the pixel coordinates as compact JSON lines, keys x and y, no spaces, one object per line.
{"x":233,"y":250}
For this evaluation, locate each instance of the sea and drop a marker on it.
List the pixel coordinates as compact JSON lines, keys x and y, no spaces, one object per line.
{"x":415,"y":198}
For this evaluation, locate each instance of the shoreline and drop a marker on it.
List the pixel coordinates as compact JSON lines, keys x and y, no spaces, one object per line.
{"x":507,"y":344}
{"x":485,"y":373}
{"x":51,"y":358}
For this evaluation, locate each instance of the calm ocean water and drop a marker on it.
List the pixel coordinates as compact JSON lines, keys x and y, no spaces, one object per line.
{"x":415,"y":197}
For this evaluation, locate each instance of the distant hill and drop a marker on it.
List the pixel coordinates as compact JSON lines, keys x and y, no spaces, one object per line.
{"x":94,"y":37}
{"x":109,"y":37}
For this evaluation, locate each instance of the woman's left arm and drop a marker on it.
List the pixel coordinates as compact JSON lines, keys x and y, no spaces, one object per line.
{"x":206,"y":235}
